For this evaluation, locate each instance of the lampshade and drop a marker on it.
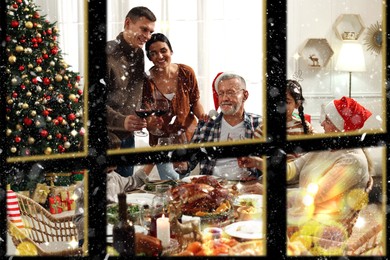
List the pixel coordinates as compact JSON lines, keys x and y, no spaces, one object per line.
{"x":351,"y":58}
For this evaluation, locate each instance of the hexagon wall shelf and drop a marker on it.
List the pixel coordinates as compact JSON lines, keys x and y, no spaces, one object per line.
{"x":316,"y":52}
{"x":349,"y":27}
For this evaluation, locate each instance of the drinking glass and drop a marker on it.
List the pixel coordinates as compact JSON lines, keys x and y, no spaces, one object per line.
{"x":160,"y":107}
{"x":143,"y":110}
{"x":164,"y":141}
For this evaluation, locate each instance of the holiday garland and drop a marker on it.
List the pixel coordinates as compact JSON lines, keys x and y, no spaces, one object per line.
{"x":44,"y":100}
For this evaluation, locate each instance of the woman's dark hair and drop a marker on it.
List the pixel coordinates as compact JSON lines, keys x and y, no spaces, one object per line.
{"x":295,"y":90}
{"x":157,"y":37}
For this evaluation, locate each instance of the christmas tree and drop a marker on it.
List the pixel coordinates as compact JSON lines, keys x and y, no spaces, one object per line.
{"x":44,"y":98}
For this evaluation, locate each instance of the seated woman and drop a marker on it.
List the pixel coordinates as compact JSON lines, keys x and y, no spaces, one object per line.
{"x":332,"y":183}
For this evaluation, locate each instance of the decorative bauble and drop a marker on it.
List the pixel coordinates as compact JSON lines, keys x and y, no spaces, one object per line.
{"x":25,"y":106}
{"x":21,"y":68}
{"x":27,"y":121}
{"x":14,"y":81}
{"x":48,"y":31}
{"x":55,"y":121}
{"x":39,"y":88}
{"x":14,"y":94}
{"x":13,"y":149}
{"x":49,"y":137}
{"x":31,"y":140}
{"x":61,"y":149}
{"x":39,"y":60}
{"x":23,"y":86}
{"x":58,"y":135}
{"x":18,"y":113}
{"x":46,"y":81}
{"x":8,"y":132}
{"x":39,"y":39}
{"x":28,"y":50}
{"x":38,"y":123}
{"x":52,"y":63}
{"x":78,"y":114}
{"x":19,"y":48}
{"x":38,"y":69}
{"x":82,"y":131}
{"x":38,"y":35}
{"x":66,"y":77}
{"x":30,"y":66}
{"x":12,"y":59}
{"x":19,"y":127}
{"x":10,"y":101}
{"x":54,"y":50}
{"x":50,"y":87}
{"x":48,"y":119}
{"x":17,"y":139}
{"x":36,"y":15}
{"x":55,"y":29}
{"x":72,"y":97}
{"x":34,"y":80}
{"x":29,"y":94}
{"x":45,"y":112}
{"x":29,"y":25}
{"x":67,"y":145}
{"x":48,"y":150}
{"x":80,"y":91}
{"x":64,"y":122}
{"x":8,"y":71}
{"x":45,"y":56}
{"x":39,"y":26}
{"x":44,"y":133}
{"x":65,"y":138}
{"x":58,"y":77}
{"x":33,"y":113}
{"x":14,"y":23}
{"x":71,"y":117}
{"x":35,"y":45}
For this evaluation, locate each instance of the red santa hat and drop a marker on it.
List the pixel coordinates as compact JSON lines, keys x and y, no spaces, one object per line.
{"x":347,"y":114}
{"x":215,"y":95}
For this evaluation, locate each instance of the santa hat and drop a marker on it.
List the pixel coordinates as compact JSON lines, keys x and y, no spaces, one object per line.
{"x":347,"y":114}
{"x":215,"y":94}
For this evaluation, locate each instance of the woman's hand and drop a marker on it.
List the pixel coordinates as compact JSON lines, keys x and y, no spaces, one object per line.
{"x":250,"y":162}
{"x":154,"y":123}
{"x":134,"y":123}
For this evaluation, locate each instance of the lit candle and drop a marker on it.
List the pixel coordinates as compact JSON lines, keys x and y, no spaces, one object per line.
{"x":163,"y":230}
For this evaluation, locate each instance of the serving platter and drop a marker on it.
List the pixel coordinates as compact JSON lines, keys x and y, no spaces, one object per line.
{"x":140,"y":198}
{"x":251,"y":229}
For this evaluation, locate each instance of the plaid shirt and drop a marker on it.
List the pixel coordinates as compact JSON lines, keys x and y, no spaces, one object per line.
{"x":211,"y":132}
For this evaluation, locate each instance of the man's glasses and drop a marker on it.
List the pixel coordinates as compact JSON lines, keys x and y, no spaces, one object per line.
{"x":229,"y":93}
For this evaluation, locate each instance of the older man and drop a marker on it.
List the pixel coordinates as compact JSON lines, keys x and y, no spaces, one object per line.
{"x":232,"y":123}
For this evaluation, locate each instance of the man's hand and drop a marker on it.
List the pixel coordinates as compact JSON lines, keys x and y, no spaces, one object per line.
{"x":180,"y":167}
{"x":134,"y":123}
{"x":250,"y":162}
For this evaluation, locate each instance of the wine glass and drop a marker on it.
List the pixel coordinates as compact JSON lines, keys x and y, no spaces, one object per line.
{"x":142,"y":110}
{"x":160,"y":107}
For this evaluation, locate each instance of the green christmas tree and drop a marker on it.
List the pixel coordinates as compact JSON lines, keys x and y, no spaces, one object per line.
{"x":44,"y":99}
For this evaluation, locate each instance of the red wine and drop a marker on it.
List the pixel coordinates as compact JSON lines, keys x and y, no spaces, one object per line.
{"x":143,"y":113}
{"x":160,"y":112}
{"x":153,"y":225}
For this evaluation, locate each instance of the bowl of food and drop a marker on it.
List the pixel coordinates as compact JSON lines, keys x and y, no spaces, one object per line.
{"x":134,"y":213}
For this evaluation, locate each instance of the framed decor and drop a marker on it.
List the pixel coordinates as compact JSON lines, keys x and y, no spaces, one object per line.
{"x":373,"y":39}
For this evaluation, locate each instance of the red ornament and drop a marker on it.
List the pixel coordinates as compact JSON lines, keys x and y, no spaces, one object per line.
{"x":60,"y":119}
{"x":14,"y":94}
{"x":77,"y":78}
{"x":22,"y":86}
{"x":19,"y":1}
{"x":39,"y":40}
{"x":65,"y":138}
{"x":75,"y":100}
{"x":34,"y":80}
{"x":35,"y":45}
{"x":80,"y":91}
{"x":45,"y":112}
{"x":48,"y":31}
{"x":8,"y":38}
{"x":34,"y":40}
{"x":15,"y":6}
{"x":71,"y":116}
{"x":54,"y":50}
{"x":54,"y":38}
{"x":36,"y":15}
{"x":14,"y":23}
{"x":44,"y":133}
{"x":35,"y":25}
{"x":45,"y":56}
{"x":47,"y":97}
{"x":59,"y":135}
{"x":61,"y":149}
{"x":21,"y":68}
{"x":55,"y":122}
{"x":18,"y":139}
{"x":22,"y":40}
{"x":70,"y":85}
{"x":39,"y":61}
{"x":46,"y":81}
{"x":27,"y":121}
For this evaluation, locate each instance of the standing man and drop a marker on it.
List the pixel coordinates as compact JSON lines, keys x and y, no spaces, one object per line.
{"x":125,"y":78}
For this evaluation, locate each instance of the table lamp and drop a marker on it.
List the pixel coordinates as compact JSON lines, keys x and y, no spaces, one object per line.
{"x":351,"y":59}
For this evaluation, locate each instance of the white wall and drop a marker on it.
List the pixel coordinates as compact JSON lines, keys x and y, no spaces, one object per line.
{"x":315,"y":19}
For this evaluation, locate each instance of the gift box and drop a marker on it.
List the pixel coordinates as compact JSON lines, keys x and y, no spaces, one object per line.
{"x":55,"y":205}
{"x":64,"y":195}
{"x":41,"y":193}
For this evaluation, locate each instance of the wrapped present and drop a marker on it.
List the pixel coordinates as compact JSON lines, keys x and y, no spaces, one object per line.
{"x":41,"y":193}
{"x":64,"y":195}
{"x":55,"y":205}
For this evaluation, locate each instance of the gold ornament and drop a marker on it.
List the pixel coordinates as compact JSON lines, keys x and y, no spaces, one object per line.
{"x":51,"y":87}
{"x":72,"y":97}
{"x":14,"y":81}
{"x":52,"y":63}
{"x":64,"y":122}
{"x":37,"y":123}
{"x":31,"y":140}
{"x":19,"y":127}
{"x":24,"y":76}
{"x":39,"y":36}
{"x":58,"y":77}
{"x":28,"y":50}
{"x":33,"y":113}
{"x":30,"y":66}
{"x":26,"y":9}
{"x":25,"y":106}
{"x":49,"y":137}
{"x":48,"y":119}
{"x":12,"y":59}
{"x":66,"y":144}
{"x":48,"y":150}
{"x":8,"y":132}
{"x":66,"y":77}
{"x":13,"y":149}
{"x":55,"y":29}
{"x":28,"y":93}
{"x":38,"y":69}
{"x":10,"y":101}
{"x":39,"y":26}
{"x":19,"y":48}
{"x":44,"y":51}
{"x":28,"y":25}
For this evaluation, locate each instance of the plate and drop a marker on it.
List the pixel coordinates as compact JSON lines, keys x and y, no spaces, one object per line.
{"x":188,"y":178}
{"x":140,"y":198}
{"x":256,"y":199}
{"x":250,"y":248}
{"x":245,"y":229}
{"x":138,"y":229}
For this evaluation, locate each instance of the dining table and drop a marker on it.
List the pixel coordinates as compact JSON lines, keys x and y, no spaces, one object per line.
{"x":236,"y":229}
